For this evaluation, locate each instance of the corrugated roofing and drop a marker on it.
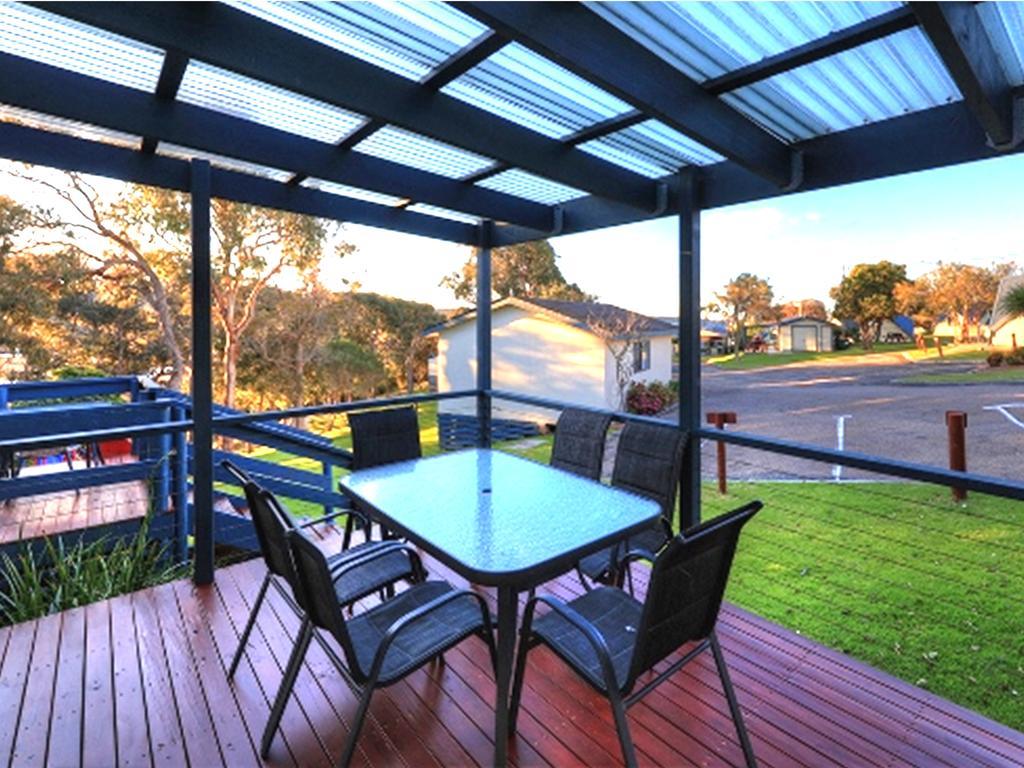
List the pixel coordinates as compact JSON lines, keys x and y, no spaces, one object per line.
{"x":706,"y":40}
{"x":444,"y":213}
{"x":1004,"y":23}
{"x":882,"y":79}
{"x":232,"y":94}
{"x":400,"y":146}
{"x":526,"y":88}
{"x":523,"y":184}
{"x":354,"y":192}
{"x":651,"y":148}
{"x":219,"y":161}
{"x":60,"y":42}
{"x":407,"y":38}
{"x":67,"y":127}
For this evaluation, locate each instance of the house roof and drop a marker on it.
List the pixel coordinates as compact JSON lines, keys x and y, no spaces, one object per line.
{"x":580,"y":314}
{"x":802,"y":319}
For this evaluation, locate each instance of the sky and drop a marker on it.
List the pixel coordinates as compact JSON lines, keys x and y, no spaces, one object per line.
{"x":801,"y":244}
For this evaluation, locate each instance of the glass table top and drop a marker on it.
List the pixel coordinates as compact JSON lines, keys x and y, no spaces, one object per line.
{"x":495,"y":517}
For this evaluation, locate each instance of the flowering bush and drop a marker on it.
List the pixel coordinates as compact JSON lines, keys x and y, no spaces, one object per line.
{"x":649,"y":398}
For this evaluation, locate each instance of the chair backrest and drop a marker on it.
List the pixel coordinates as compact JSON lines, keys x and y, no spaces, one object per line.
{"x":648,"y":462}
{"x":579,"y":442}
{"x":273,"y":523}
{"x":384,"y":436}
{"x":685,"y":591}
{"x":260,"y":521}
{"x":314,"y":592}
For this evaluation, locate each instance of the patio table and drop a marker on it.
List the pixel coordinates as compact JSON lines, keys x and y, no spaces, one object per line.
{"x":500,"y":521}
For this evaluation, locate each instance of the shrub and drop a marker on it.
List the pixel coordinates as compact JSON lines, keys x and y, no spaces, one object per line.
{"x":995,"y":359}
{"x":1015,"y":358}
{"x":649,"y":398}
{"x":63,"y":577}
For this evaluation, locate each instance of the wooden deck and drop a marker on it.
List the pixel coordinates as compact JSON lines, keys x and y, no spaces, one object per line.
{"x":51,"y":514}
{"x":140,"y":680}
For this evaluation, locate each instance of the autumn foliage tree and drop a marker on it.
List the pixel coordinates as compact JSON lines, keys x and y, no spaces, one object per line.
{"x":744,"y":300}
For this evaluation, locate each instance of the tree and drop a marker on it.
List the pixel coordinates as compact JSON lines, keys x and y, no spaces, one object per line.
{"x":1013,"y":302}
{"x":865,"y":296}
{"x":963,"y":293}
{"x":744,"y":300}
{"x":803,"y":308}
{"x":620,"y":330}
{"x":393,"y":329}
{"x":527,"y":270}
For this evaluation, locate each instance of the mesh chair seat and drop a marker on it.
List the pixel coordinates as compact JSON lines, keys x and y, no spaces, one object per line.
{"x":431,"y":634}
{"x":360,"y":581}
{"x":600,"y":565}
{"x":614,"y":614}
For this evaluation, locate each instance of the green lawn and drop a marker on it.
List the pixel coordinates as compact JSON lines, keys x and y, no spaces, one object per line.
{"x":894,"y":574}
{"x":908,"y":351}
{"x":979,"y":376}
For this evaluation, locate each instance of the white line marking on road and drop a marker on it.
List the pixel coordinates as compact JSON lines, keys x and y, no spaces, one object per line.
{"x":1004,"y":409}
{"x":837,"y":470}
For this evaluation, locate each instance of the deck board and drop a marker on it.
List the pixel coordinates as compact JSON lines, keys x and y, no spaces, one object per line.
{"x":154,"y":664}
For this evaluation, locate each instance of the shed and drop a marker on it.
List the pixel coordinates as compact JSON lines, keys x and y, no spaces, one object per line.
{"x":805,"y":334}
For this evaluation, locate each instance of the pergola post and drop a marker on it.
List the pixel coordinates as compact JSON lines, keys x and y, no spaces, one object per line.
{"x":689,"y":346}
{"x":202,"y":374}
{"x":483,"y":333}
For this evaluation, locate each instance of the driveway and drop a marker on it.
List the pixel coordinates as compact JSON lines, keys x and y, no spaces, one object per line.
{"x":899,"y":421}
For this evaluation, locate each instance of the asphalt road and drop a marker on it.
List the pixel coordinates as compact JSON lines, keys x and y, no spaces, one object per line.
{"x":899,"y":421}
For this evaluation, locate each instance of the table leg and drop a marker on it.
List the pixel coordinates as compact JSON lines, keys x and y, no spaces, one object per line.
{"x":508,"y":607}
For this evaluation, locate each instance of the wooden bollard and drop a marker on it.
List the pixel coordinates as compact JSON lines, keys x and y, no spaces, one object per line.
{"x":1013,"y":338}
{"x":938,"y":346}
{"x":956,"y":426}
{"x":719,"y":419}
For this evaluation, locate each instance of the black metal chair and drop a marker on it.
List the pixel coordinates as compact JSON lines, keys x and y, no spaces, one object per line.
{"x":381,"y":437}
{"x":579,"y":442}
{"x":381,"y":645}
{"x":362,"y":575}
{"x":609,"y":638}
{"x":648,"y":462}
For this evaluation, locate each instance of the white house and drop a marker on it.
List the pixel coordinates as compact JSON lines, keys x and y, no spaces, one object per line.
{"x":549,"y":348}
{"x":1006,"y":330}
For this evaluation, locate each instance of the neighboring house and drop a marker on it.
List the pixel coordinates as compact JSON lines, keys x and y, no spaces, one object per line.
{"x":1006,"y":330}
{"x":896,"y":329}
{"x":805,"y":334}
{"x":548,"y":348}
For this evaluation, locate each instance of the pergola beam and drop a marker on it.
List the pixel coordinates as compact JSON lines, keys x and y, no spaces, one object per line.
{"x":172,"y":72}
{"x":875,"y":28}
{"x":955,"y":30}
{"x":54,"y":150}
{"x":932,"y":138}
{"x":581,"y":41}
{"x":50,"y":90}
{"x":229,"y":39}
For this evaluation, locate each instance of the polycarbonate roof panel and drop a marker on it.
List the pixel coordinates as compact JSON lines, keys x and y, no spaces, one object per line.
{"x":67,"y":127}
{"x":526,"y":88}
{"x":652,"y":149}
{"x":1004,"y":23}
{"x":535,"y":188}
{"x":706,"y":40}
{"x":443,"y":213}
{"x":408,"y":38}
{"x":354,"y":192}
{"x":881,"y":79}
{"x":400,"y":146}
{"x":60,"y":42}
{"x":242,"y":97}
{"x":219,"y":161}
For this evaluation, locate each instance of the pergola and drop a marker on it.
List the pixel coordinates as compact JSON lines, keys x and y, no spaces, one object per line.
{"x":491,"y":124}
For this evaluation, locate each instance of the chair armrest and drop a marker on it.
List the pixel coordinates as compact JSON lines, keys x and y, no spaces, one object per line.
{"x":414,"y":559}
{"x":636,"y":554}
{"x":334,"y":516}
{"x":424,"y":610}
{"x":581,"y":625}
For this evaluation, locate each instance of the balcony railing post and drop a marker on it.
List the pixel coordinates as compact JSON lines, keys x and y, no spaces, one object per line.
{"x":483,"y":334}
{"x":689,"y":346}
{"x":202,"y":373}
{"x":179,"y":484}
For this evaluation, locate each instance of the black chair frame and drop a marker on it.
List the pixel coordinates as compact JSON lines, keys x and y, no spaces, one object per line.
{"x":621,"y":696}
{"x":363,"y":682}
